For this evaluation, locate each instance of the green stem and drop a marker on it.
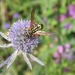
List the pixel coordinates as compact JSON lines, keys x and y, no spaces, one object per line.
{"x":2,"y":13}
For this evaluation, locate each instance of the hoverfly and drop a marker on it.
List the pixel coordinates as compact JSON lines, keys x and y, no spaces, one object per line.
{"x":34,"y":29}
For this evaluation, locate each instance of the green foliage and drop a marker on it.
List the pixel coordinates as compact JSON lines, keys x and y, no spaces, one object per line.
{"x":47,"y":12}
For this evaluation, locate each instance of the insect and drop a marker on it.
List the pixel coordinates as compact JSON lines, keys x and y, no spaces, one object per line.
{"x":34,"y":29}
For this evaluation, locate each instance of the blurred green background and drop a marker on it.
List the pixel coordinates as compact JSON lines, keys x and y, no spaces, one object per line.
{"x":57,"y":52}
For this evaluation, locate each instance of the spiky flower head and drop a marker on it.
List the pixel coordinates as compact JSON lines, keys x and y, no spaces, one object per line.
{"x":19,"y":37}
{"x":21,"y":42}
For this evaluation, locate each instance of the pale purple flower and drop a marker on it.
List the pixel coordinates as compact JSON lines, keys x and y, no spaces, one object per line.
{"x":19,"y":38}
{"x":56,"y":55}
{"x":57,"y":61}
{"x":70,"y":54}
{"x":21,"y":42}
{"x":62,"y":17}
{"x":6,"y":26}
{"x":67,"y":45}
{"x":67,"y":26}
{"x":60,"y":49}
{"x":16,"y":15}
{"x":72,"y":10}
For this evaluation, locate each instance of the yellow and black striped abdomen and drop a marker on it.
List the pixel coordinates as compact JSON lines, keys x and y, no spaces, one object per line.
{"x":36,"y":28}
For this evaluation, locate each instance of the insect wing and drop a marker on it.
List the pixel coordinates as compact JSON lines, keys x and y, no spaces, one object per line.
{"x":32,"y":17}
{"x":43,"y":33}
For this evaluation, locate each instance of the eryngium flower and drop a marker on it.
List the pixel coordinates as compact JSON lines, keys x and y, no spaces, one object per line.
{"x":20,"y":42}
{"x":16,"y":15}
{"x":6,"y":26}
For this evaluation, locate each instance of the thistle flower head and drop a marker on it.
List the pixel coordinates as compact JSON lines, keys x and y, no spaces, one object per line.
{"x":19,"y":37}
